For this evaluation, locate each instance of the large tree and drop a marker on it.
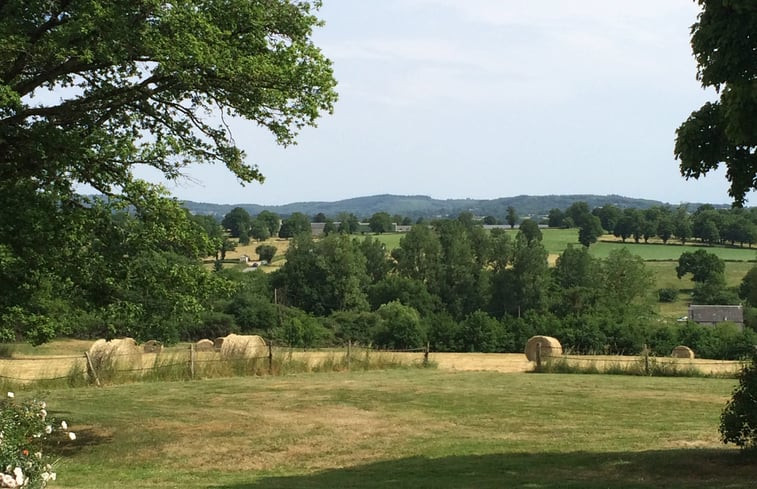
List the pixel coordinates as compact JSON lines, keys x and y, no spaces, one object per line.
{"x":380,"y":222}
{"x":725,"y":131}
{"x":134,"y":82}
{"x":90,"y":90}
{"x":238,"y":222}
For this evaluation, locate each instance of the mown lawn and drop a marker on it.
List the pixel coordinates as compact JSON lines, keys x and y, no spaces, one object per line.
{"x":402,"y":428}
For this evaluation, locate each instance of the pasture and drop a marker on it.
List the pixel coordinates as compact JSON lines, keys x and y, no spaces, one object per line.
{"x":401,"y":428}
{"x":557,"y":240}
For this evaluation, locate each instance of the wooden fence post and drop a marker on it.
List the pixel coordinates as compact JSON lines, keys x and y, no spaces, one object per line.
{"x":91,"y":369}
{"x":646,"y":360}
{"x":270,"y":358}
{"x":349,"y":354}
{"x":192,"y":361}
{"x":425,"y":354}
{"x":538,"y":355}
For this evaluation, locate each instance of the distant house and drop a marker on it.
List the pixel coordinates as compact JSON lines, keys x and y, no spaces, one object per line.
{"x":712,"y":315}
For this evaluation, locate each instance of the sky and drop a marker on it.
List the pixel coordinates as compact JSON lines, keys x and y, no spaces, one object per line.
{"x":484,"y":99}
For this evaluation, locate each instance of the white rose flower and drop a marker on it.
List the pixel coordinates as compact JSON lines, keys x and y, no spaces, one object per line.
{"x":8,"y":481}
{"x":72,"y":436}
{"x":64,"y":425}
{"x":48,"y":429}
{"x":11,"y":395}
{"x":20,"y":479}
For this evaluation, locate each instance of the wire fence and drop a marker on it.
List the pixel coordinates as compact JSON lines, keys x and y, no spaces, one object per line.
{"x":189,"y":362}
{"x":644,"y":364}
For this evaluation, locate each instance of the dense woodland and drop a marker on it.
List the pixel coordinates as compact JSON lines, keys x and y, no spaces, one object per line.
{"x":450,"y":283}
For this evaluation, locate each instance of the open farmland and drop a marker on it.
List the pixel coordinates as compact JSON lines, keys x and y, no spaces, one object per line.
{"x":401,"y":428}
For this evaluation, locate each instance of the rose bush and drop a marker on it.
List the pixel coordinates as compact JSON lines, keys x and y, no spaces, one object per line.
{"x":25,"y":430}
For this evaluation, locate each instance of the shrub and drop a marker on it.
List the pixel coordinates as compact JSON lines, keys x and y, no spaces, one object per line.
{"x":738,"y":422}
{"x":400,"y":327}
{"x":266,"y":252}
{"x":25,"y":429}
{"x":667,"y":294}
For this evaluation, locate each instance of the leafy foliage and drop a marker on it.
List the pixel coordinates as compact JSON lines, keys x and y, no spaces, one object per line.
{"x":724,"y":131}
{"x":136,"y":84}
{"x":738,"y":421}
{"x":27,"y":431}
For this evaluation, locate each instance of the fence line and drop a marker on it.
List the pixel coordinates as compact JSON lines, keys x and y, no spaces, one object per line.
{"x":189,"y":358}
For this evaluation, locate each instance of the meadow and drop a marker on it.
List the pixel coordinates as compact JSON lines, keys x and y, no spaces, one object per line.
{"x":401,"y":428}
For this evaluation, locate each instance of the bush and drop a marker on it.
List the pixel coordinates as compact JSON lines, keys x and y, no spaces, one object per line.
{"x":25,"y":429}
{"x":266,"y":252}
{"x":667,"y":294}
{"x":738,"y":422}
{"x":400,"y":327}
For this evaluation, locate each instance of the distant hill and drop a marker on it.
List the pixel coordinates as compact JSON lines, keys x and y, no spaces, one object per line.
{"x":416,"y":206}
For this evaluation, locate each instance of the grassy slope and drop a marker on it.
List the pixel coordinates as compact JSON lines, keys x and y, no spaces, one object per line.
{"x":402,"y":428}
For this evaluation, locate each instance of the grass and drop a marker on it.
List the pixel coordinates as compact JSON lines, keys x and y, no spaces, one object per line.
{"x":664,"y":273}
{"x":670,"y":251}
{"x":176,"y":364}
{"x":401,"y":428}
{"x":652,"y":366}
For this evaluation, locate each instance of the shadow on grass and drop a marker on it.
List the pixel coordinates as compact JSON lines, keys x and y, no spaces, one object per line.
{"x":85,"y":438}
{"x":684,"y":468}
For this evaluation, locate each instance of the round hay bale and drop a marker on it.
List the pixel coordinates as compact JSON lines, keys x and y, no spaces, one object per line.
{"x":244,"y":346}
{"x":550,"y":347}
{"x":682,"y":352}
{"x":119,"y":354}
{"x":152,"y":346}
{"x":218,"y":342}
{"x":204,"y":345}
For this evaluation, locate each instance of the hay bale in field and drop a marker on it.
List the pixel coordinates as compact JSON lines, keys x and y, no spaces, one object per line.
{"x":121,"y":354}
{"x":245,"y":346}
{"x":204,"y":345}
{"x":218,"y":342}
{"x":152,"y":346}
{"x":550,"y":347}
{"x":682,"y":352}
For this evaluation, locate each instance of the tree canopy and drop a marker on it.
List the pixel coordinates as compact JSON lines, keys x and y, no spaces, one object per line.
{"x":91,"y":90}
{"x":725,"y":131}
{"x":134,"y":82}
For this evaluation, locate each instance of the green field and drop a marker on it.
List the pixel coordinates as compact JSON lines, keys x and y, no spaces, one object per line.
{"x":401,"y":428}
{"x":556,"y":240}
{"x":659,"y":251}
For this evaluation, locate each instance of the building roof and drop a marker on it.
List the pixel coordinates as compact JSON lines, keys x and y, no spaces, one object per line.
{"x":716,"y":314}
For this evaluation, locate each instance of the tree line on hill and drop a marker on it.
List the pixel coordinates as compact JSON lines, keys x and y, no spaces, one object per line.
{"x":707,"y":224}
{"x":423,"y":207}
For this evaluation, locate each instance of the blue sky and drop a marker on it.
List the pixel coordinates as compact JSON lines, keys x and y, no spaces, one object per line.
{"x":487,"y":99}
